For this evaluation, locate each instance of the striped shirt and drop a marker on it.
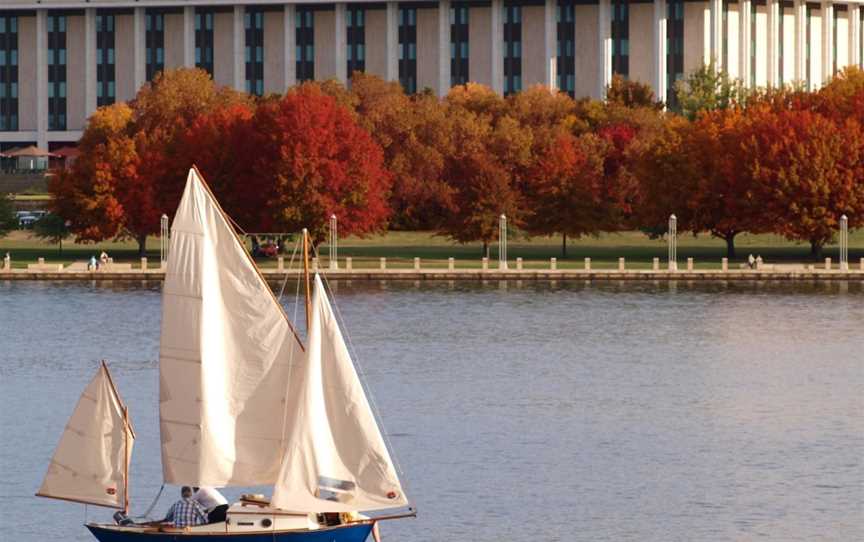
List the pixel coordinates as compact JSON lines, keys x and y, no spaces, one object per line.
{"x":186,"y":512}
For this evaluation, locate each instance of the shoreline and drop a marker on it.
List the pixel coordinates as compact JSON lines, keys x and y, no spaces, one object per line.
{"x":470,"y":275}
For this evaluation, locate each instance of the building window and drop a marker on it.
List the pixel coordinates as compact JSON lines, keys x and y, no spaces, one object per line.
{"x":355,"y":22}
{"x":105,"y":91}
{"x":305,"y":40}
{"x":155,"y":42}
{"x":753,"y":44}
{"x":204,"y":39}
{"x":807,"y":48}
{"x":512,"y":49}
{"x":566,"y":58}
{"x":458,"y":44}
{"x":56,"y":72}
{"x":726,"y":36}
{"x":780,"y":49}
{"x":674,"y":49}
{"x":8,"y":73}
{"x":408,"y":49}
{"x":621,"y":37}
{"x":254,"y":21}
{"x":836,"y":13}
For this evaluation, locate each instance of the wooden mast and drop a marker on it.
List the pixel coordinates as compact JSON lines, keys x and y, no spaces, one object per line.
{"x":126,"y":459}
{"x":306,"y":276}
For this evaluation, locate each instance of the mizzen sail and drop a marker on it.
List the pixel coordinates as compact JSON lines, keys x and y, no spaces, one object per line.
{"x":90,"y":464}
{"x":225,"y":355}
{"x":336,"y":459}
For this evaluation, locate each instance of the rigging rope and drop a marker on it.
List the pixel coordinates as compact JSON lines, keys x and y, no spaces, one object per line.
{"x":146,"y":514}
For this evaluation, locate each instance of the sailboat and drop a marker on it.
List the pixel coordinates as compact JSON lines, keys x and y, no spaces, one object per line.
{"x":243,"y":402}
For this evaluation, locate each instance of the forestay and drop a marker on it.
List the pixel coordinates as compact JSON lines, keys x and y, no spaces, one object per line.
{"x":336,"y":459}
{"x":225,"y":354}
{"x":91,"y":460}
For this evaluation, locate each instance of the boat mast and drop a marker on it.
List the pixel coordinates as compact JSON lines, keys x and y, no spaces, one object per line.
{"x":126,"y":459}
{"x":306,"y":275}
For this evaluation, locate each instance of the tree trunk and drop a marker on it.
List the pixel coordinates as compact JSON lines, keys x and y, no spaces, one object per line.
{"x":485,"y":249}
{"x":730,"y":246}
{"x":61,"y":246}
{"x":816,"y":249}
{"x":563,"y":245}
{"x":142,"y":245}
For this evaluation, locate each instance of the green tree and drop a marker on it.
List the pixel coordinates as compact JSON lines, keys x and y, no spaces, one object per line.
{"x":631,"y":94}
{"x":707,"y":89}
{"x":7,"y":216}
{"x":52,"y":228}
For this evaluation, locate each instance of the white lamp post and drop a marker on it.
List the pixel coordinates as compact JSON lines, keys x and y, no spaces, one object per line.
{"x":163,"y":240}
{"x":334,"y":233}
{"x":673,"y":243}
{"x":502,"y":242}
{"x":844,"y":243}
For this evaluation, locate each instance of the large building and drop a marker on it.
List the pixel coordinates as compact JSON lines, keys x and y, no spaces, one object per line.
{"x":61,"y":59}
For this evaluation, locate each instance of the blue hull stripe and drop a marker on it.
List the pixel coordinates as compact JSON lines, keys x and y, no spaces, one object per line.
{"x":354,"y":533}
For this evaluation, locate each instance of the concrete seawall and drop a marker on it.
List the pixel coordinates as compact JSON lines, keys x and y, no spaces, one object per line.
{"x":469,"y":275}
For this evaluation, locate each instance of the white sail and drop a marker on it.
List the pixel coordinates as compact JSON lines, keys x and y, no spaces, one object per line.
{"x":336,"y":459}
{"x":224,"y":357}
{"x":91,"y":460}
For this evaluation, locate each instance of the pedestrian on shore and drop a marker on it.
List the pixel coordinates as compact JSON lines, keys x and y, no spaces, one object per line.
{"x":751,"y":261}
{"x":93,"y":264}
{"x":103,"y":259}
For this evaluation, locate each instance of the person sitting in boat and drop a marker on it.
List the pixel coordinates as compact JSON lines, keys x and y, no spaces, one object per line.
{"x":213,"y":502}
{"x":186,"y":511}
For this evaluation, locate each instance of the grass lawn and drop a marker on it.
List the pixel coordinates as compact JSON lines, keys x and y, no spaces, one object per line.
{"x":401,"y":247}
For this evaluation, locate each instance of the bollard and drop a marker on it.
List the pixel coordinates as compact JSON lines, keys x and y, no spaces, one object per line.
{"x":315,"y":264}
{"x":348,"y":263}
{"x":621,"y":265}
{"x":861,"y":264}
{"x":416,"y":264}
{"x":383,"y":263}
{"x":655,"y":265}
{"x":811,"y":267}
{"x":827,"y":264}
{"x":280,"y":263}
{"x":41,"y":261}
{"x":587,"y":264}
{"x":485,"y":265}
{"x":143,"y":264}
{"x":518,"y":264}
{"x":553,"y":263}
{"x":724,"y":265}
{"x":7,"y":262}
{"x":451,"y":264}
{"x":689,"y":264}
{"x":758,"y":263}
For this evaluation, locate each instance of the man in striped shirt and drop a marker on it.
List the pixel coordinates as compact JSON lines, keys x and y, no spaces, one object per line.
{"x":186,"y":511}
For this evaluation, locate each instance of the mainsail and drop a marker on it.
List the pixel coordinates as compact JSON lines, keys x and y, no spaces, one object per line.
{"x":336,"y":460}
{"x":225,"y":355}
{"x":90,"y":464}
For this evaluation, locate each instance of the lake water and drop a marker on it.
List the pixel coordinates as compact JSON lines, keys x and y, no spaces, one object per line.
{"x":539,"y":412}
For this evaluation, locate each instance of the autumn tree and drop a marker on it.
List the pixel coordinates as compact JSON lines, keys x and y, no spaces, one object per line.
{"x":317,"y":161}
{"x":808,"y":172}
{"x":89,"y":194}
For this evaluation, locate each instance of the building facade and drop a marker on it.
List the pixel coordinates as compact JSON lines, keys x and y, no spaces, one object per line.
{"x":61,"y":59}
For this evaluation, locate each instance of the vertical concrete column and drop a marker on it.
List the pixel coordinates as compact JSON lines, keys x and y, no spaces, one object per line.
{"x":42,"y":79}
{"x":827,"y":41}
{"x":745,"y":68}
{"x":716,"y":31}
{"x":443,"y":47}
{"x":496,"y":35}
{"x":774,"y":39}
{"x":550,"y":34}
{"x":659,"y":49}
{"x":340,"y":44}
{"x":392,"y":41}
{"x":89,"y":61}
{"x":800,"y":7}
{"x":139,"y":44}
{"x":238,"y":42}
{"x":189,"y":36}
{"x":604,"y":47}
{"x":855,"y":35}
{"x":289,"y":36}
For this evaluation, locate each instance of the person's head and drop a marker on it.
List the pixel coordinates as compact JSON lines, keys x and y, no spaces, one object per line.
{"x":195,"y":489}
{"x":186,"y":492}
